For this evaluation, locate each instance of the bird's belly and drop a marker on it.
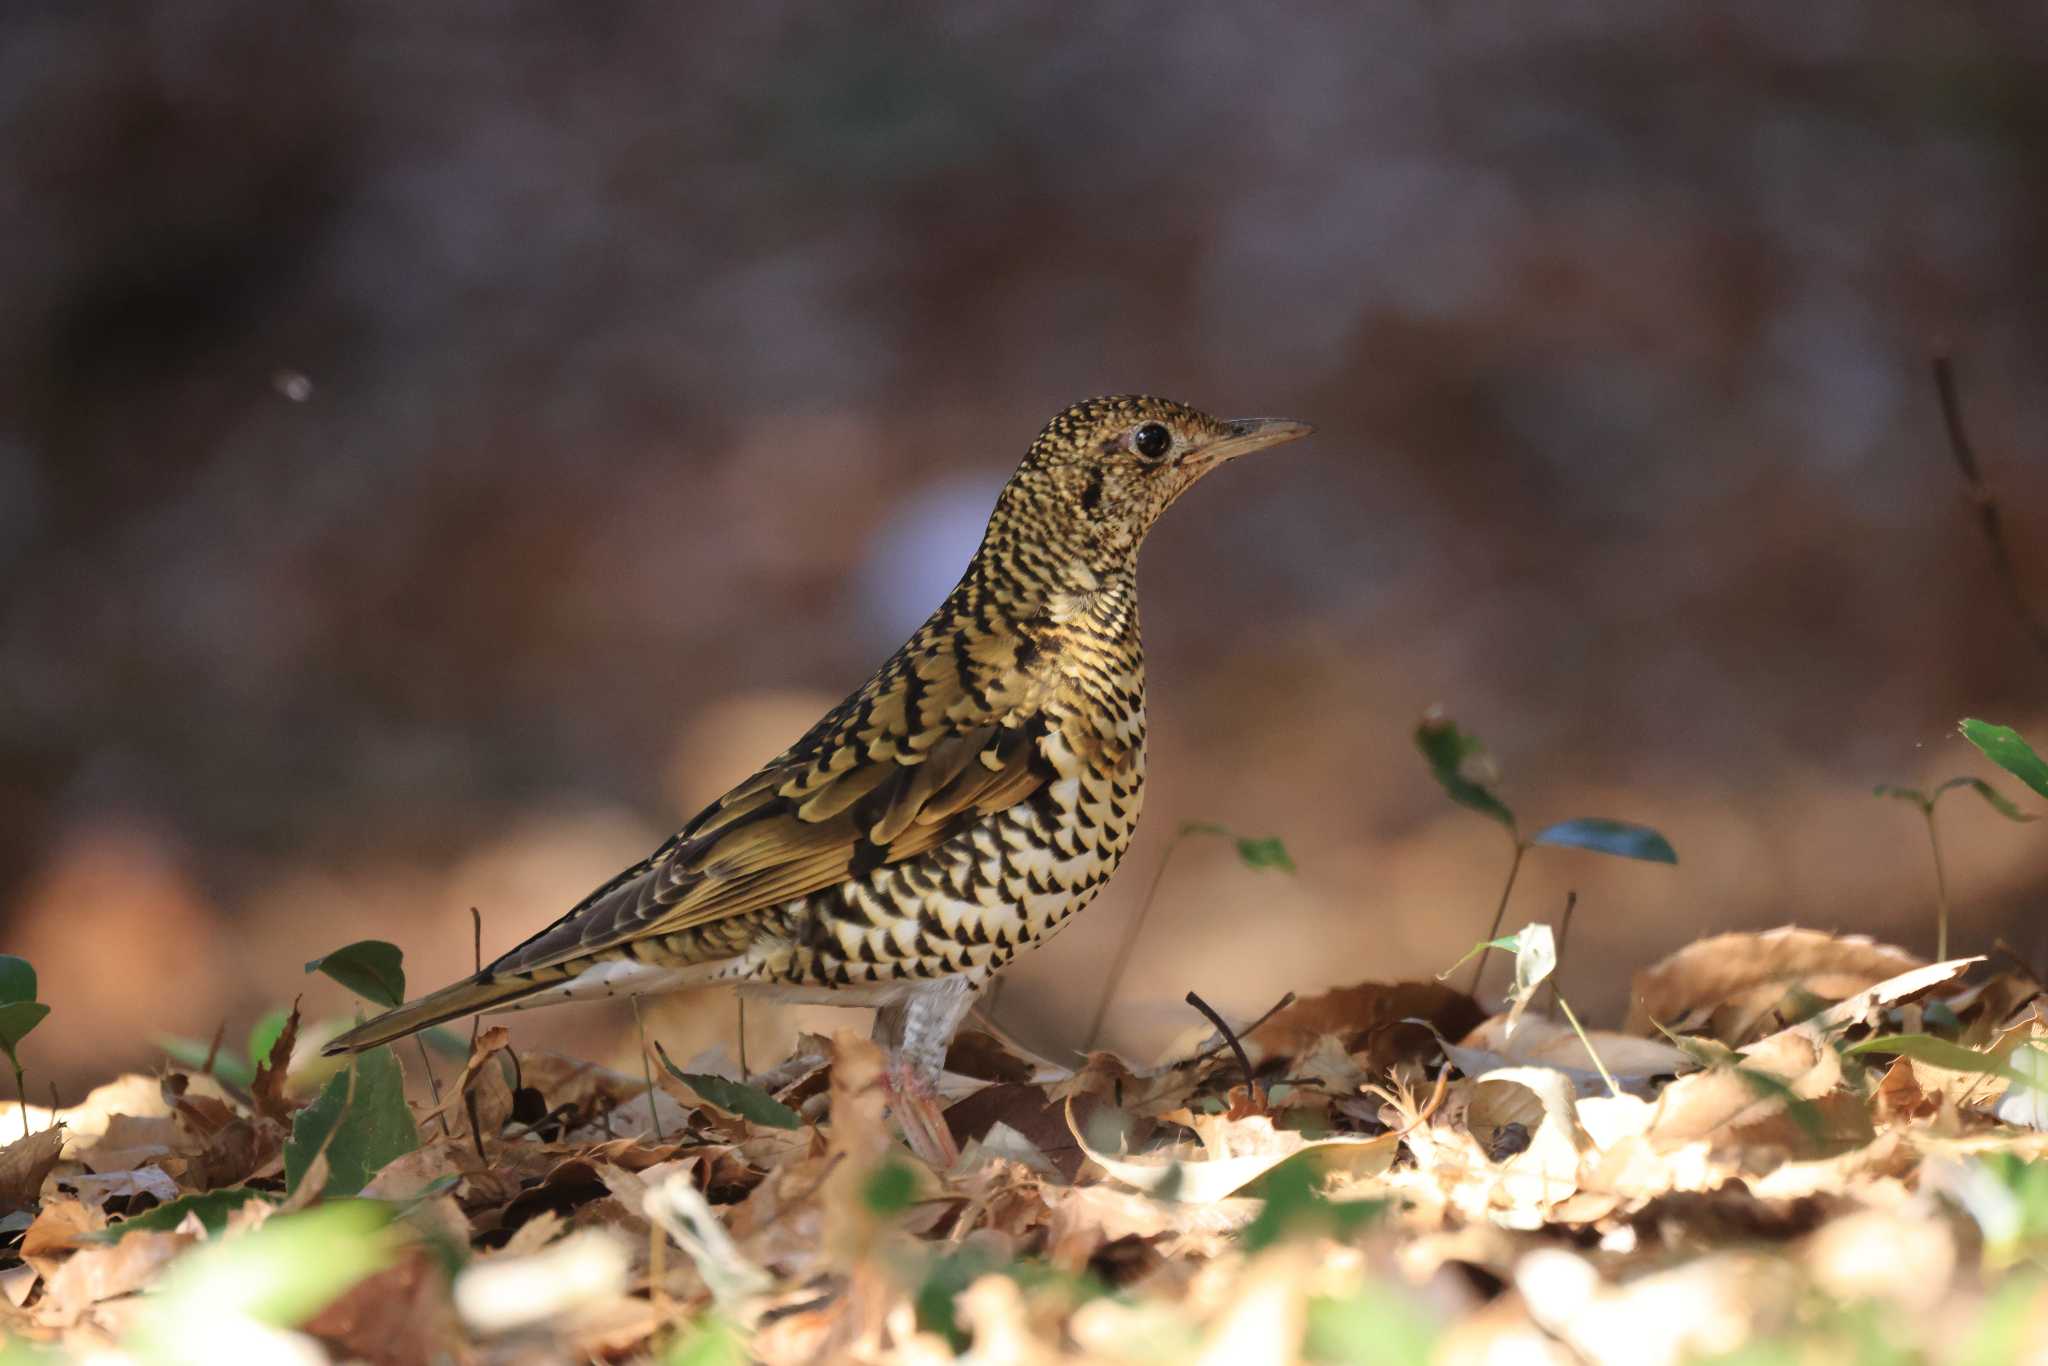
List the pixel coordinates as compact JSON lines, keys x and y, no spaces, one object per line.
{"x":970,"y":904}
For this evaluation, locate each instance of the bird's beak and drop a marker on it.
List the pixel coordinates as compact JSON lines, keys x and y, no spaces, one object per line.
{"x":1245,"y":435}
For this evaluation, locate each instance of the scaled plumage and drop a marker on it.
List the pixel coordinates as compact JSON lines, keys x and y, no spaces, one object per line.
{"x":961,"y":805}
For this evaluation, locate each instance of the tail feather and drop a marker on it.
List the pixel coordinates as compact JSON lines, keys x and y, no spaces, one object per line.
{"x":437,"y":1007}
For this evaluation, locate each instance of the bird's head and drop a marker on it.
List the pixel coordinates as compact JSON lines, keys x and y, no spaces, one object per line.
{"x":1102,"y":472}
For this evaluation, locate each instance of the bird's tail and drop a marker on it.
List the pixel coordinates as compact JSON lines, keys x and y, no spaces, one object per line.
{"x":438,"y":1007}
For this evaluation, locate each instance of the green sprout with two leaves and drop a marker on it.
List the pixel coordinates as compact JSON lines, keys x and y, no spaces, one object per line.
{"x":2004,"y":747}
{"x":1466,"y":772}
{"x":20,"y":1012}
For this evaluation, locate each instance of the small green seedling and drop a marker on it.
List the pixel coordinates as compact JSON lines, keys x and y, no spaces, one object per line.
{"x":1535,"y":951}
{"x":20,"y":1013}
{"x":375,"y":971}
{"x":1925,"y":803}
{"x":1257,"y":853}
{"x":1467,"y":774}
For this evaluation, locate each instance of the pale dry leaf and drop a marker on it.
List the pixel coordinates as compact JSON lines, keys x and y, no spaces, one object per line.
{"x":1525,"y":1186}
{"x":1706,"y":1307}
{"x":1893,"y":1257}
{"x":1238,"y":1152}
{"x":2026,"y":1103}
{"x":100,"y":1273}
{"x":1733,"y":980}
{"x":98,"y":1190}
{"x":1267,"y":1315}
{"x":62,"y":1226}
{"x":18,"y":1283}
{"x":1539,"y":1041}
{"x":583,"y":1271}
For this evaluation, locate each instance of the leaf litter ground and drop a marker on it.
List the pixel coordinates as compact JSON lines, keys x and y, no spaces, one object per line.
{"x":1803,"y":1147}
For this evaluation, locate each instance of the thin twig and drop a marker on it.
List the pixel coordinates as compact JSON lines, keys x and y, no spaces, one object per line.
{"x":433,"y":1082}
{"x":1989,"y":521}
{"x":1122,"y":959}
{"x":1243,"y":1059}
{"x":647,"y":1070}
{"x":1940,"y":887}
{"x":1499,"y":914}
{"x":1587,"y":1044}
{"x":745,"y":1071}
{"x":476,"y":934}
{"x":1252,"y":1028}
{"x":1564,"y":929}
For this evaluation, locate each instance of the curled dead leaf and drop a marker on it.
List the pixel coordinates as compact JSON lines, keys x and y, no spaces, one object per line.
{"x":1734,"y":986}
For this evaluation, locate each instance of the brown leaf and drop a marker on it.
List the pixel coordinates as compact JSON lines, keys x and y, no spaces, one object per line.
{"x":1899,"y":1097}
{"x":202,"y":1115}
{"x":401,"y":1314}
{"x":1368,"y":1017}
{"x":1743,"y":985}
{"x":63,"y":1226}
{"x":267,"y":1091}
{"x":23,"y":1165}
{"x":238,"y":1151}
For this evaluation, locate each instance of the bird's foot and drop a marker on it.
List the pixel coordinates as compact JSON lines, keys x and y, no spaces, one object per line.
{"x":913,"y":1095}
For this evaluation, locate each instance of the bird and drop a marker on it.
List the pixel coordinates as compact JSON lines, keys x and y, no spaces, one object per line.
{"x":957,"y":808}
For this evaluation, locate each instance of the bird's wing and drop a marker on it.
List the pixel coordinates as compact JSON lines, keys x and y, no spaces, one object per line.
{"x":949,"y":731}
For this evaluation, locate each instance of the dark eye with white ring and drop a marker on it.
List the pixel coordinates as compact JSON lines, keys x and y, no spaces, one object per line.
{"x":1152,"y":440}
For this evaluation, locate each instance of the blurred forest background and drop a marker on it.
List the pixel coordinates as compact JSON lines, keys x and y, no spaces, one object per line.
{"x":440,"y":450}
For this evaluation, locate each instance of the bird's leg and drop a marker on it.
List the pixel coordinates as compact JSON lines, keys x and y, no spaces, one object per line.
{"x":914,"y":1031}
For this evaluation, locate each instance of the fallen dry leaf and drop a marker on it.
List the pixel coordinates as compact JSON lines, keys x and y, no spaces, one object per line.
{"x":1539,"y":1041}
{"x":23,"y":1165}
{"x":1727,"y":984}
{"x":1233,"y":1154}
{"x":1370,"y":1017}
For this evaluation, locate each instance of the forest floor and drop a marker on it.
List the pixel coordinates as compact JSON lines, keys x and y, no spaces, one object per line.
{"x":1801,"y":1147}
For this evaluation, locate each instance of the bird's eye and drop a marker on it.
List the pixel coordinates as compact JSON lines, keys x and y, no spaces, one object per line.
{"x":1151,"y":440}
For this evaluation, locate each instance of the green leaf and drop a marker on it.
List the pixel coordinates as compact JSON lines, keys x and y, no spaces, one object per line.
{"x":1995,"y":799}
{"x":1264,"y":853}
{"x":17,"y":1018}
{"x":192,"y":1053}
{"x":1452,"y":756}
{"x":1619,"y":838}
{"x":1510,"y":943}
{"x":1940,"y":1053}
{"x":1904,"y":794}
{"x":281,"y":1274}
{"x":889,"y":1189}
{"x":1253,"y":853}
{"x":364,"y":1108}
{"x":714,"y":1342}
{"x":2004,"y":747}
{"x":1294,"y":1206}
{"x":212,"y":1207}
{"x":371,"y":968}
{"x":1373,"y":1323}
{"x":735,"y":1097}
{"x":17,"y":979}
